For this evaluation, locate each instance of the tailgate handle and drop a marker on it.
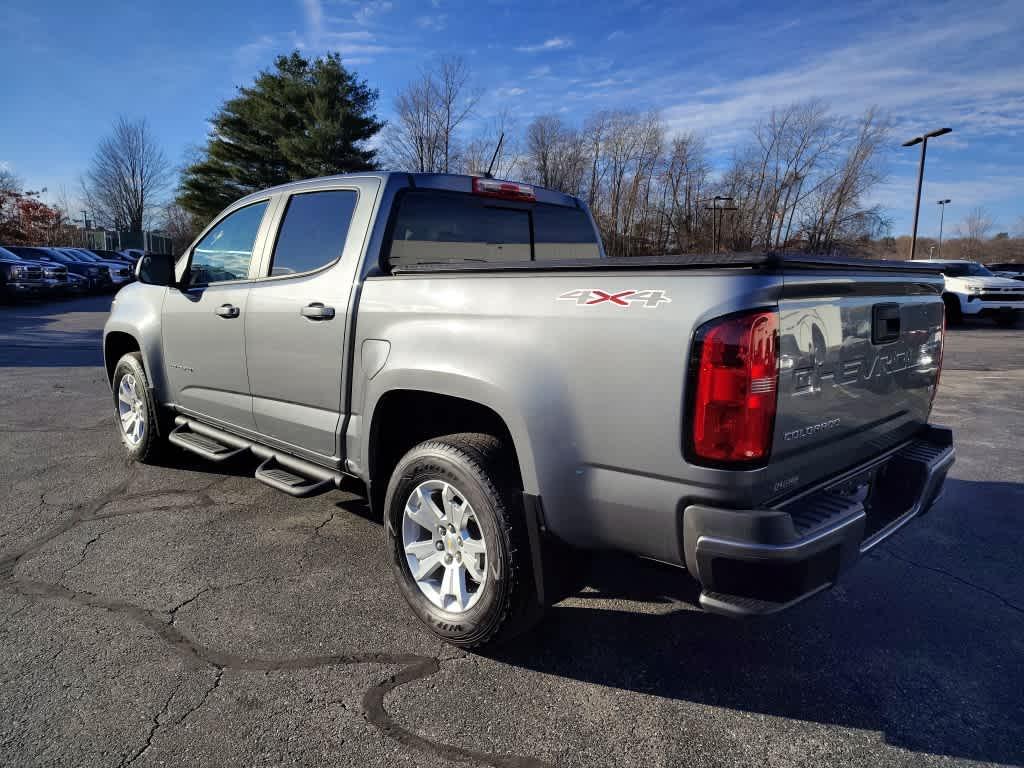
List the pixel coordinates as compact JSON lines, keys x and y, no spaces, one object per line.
{"x":885,"y":323}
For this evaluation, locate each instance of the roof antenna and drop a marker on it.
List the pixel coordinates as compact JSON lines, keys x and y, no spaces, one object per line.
{"x":497,"y":149}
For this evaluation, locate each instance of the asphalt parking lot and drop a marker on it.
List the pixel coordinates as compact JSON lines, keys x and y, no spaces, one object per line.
{"x":179,"y":615}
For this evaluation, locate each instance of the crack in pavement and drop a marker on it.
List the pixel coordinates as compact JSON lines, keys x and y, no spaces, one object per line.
{"x":316,"y":530}
{"x":414,"y":667}
{"x":128,"y":760}
{"x":216,"y":684}
{"x":904,"y":559}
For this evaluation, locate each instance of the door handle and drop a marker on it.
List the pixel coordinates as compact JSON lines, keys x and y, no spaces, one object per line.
{"x":317,"y":311}
{"x":227,"y":310}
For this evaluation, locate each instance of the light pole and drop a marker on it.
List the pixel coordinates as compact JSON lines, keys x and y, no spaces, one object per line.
{"x":716,"y":223}
{"x":942,"y":216}
{"x":923,"y":141}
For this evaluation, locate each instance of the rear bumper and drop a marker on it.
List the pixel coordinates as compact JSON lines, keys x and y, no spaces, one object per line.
{"x":755,"y":562}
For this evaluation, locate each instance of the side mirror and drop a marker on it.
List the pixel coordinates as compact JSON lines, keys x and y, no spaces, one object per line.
{"x":155,"y":269}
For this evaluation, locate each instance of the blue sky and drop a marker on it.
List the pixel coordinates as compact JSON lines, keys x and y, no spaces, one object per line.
{"x":711,"y":67}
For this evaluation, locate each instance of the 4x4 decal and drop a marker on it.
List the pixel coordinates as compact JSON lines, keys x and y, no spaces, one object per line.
{"x":585,"y":297}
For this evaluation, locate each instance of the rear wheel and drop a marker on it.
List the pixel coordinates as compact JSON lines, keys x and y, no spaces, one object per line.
{"x":135,"y":410}
{"x":457,"y":539}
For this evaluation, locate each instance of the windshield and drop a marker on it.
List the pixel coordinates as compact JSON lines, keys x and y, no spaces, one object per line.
{"x":966,"y":270}
{"x":82,"y":256}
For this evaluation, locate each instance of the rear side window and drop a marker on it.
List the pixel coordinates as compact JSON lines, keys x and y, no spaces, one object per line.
{"x":433,"y":227}
{"x":313,"y":231}
{"x":563,"y":233}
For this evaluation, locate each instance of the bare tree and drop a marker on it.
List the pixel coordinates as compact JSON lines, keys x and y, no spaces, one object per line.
{"x":181,"y":225}
{"x":127,"y":176}
{"x":683,"y":180}
{"x":497,"y":142}
{"x":977,"y":225}
{"x":429,"y":113}
{"x":555,"y":155}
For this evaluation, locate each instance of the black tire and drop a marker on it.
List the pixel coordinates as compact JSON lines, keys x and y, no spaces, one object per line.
{"x":953,"y":314}
{"x":1006,"y":319}
{"x":153,"y":440}
{"x":480,"y":468}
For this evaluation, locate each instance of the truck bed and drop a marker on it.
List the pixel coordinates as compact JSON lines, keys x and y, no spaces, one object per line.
{"x":761,"y":260}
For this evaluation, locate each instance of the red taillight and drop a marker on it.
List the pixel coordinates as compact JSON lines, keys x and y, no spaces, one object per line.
{"x":736,"y":383}
{"x":506,"y":190}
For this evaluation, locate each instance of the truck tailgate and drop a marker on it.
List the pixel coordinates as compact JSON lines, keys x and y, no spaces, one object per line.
{"x":859,"y":362}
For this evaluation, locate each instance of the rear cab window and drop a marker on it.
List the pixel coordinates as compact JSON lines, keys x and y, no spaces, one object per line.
{"x":440,"y":227}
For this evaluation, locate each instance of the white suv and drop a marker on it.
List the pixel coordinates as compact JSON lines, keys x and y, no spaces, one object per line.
{"x":971,"y":289}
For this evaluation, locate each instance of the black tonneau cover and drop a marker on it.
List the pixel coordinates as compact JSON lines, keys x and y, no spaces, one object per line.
{"x":770,"y":261}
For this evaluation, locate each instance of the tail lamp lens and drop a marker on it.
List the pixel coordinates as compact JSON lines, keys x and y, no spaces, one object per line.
{"x":736,"y":385}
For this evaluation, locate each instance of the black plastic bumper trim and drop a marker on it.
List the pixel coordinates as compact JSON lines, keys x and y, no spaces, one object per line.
{"x":806,"y":543}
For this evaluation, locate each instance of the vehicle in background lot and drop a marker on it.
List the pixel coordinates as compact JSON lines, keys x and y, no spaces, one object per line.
{"x":113,"y":256}
{"x":120,"y":272}
{"x":76,"y":285}
{"x":97,"y":275}
{"x":133,"y":253}
{"x":509,"y":396}
{"x":55,"y":276}
{"x":19,"y":278}
{"x":1010,"y":270}
{"x":971,"y":290}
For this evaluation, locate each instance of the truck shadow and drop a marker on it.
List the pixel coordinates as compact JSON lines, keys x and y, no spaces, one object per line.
{"x":934,"y":666}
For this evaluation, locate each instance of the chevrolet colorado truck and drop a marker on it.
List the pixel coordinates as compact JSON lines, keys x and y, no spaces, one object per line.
{"x":510,"y":398}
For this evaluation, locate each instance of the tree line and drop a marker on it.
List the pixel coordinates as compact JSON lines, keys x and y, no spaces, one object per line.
{"x":802,"y":179}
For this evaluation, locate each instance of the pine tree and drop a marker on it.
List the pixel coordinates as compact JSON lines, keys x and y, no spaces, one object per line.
{"x":304,"y":119}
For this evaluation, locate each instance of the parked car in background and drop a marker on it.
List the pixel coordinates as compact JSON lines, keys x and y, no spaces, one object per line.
{"x":55,"y":276}
{"x":972,"y":290}
{"x":133,"y":253}
{"x":120,"y":272}
{"x":97,"y":274}
{"x":19,"y":278}
{"x":113,"y":256}
{"x":76,"y":285}
{"x":1009,"y":270}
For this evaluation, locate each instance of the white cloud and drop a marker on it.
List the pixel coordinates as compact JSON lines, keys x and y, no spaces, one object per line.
{"x":510,"y":92}
{"x":369,"y":10}
{"x":895,"y":70}
{"x":255,"y":54}
{"x":433,"y":23}
{"x":536,"y":72}
{"x":551,"y":44}
{"x":314,"y":19}
{"x":616,"y":35}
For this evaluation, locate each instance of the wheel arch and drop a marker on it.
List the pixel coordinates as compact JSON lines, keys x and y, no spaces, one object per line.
{"x":405,"y":416}
{"x":117,"y":344}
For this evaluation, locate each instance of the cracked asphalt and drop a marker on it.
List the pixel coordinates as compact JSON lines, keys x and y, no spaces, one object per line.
{"x":185,"y":615}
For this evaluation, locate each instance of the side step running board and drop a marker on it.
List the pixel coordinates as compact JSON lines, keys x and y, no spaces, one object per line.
{"x":273,"y":474}
{"x":281,"y":471}
{"x":735,"y":606}
{"x":207,"y":447}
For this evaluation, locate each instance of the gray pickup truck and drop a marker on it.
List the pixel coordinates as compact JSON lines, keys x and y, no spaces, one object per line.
{"x":511,"y":398}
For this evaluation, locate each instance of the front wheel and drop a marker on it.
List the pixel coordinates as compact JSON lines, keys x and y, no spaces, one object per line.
{"x":1006,"y":319}
{"x":457,"y":539}
{"x":953,"y":314}
{"x":135,"y":410}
